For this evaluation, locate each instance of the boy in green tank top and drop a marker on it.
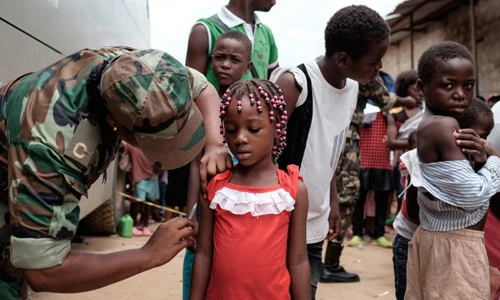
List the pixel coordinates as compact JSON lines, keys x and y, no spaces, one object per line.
{"x":238,"y":15}
{"x":231,"y":59}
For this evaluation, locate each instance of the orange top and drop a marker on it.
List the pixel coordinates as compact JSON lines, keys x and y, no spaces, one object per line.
{"x":250,"y":237}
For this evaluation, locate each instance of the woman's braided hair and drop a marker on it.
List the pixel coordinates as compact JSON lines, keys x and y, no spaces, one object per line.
{"x":97,"y":109}
{"x":260,"y":92}
{"x":97,"y":106}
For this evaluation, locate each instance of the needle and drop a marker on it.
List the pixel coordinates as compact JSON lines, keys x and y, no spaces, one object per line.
{"x":193,"y":210}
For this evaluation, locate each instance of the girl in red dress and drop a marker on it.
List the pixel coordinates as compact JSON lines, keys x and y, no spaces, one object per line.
{"x":252,"y":237}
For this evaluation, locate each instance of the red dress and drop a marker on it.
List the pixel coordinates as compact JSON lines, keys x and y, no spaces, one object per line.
{"x":492,"y":243}
{"x":376,"y":171}
{"x":250,"y":237}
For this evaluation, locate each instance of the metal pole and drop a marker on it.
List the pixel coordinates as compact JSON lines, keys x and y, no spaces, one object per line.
{"x":411,"y":40}
{"x":473,"y":41}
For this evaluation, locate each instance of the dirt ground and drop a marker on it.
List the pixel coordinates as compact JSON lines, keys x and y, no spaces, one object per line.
{"x":372,"y":263}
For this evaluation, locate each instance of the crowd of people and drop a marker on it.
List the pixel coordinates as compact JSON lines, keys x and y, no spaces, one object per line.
{"x":276,"y":159}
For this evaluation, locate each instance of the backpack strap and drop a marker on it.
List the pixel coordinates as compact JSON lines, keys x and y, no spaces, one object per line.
{"x":224,"y":27}
{"x":309,"y":97}
{"x":298,"y":128}
{"x":219,"y":23}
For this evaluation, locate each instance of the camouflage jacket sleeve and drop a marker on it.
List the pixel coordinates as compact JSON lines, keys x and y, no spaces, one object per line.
{"x":198,"y":82}
{"x":378,"y":93}
{"x":44,"y":205}
{"x":44,"y":185}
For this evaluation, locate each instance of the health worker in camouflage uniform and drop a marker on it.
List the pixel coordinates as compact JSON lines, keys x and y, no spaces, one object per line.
{"x":347,"y":175}
{"x":60,"y":129}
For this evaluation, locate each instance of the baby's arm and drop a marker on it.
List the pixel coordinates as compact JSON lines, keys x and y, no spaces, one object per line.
{"x":297,"y":260}
{"x":204,"y":252}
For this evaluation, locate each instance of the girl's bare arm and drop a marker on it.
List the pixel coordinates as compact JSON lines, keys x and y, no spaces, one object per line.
{"x":297,"y":260}
{"x":204,"y":252}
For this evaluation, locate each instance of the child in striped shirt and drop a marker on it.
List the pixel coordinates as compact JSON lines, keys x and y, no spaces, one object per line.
{"x":446,"y":257}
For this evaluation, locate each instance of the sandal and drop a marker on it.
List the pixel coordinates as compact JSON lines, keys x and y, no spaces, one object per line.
{"x":137,"y":232}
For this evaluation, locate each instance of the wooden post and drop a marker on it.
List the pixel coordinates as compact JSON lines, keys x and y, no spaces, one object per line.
{"x":473,"y":41}
{"x":411,"y":41}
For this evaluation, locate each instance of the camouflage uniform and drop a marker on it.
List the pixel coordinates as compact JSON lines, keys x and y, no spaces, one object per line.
{"x":347,"y":172}
{"x":42,"y":114}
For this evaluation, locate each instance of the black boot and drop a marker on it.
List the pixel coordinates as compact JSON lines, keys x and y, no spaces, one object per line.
{"x":332,"y":271}
{"x":336,"y":273}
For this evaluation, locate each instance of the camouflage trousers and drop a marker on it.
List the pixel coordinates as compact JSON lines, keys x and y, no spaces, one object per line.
{"x":347,"y":177}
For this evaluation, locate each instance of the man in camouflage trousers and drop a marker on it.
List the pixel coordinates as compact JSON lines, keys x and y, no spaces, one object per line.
{"x":347,"y":175}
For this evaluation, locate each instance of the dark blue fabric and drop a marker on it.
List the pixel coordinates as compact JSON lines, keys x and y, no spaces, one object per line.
{"x":400,"y":259}
{"x":388,"y":81}
{"x":314,"y":253}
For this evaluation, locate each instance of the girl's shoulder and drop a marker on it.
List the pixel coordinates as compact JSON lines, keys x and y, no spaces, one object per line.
{"x":289,"y":180}
{"x":218,"y":182}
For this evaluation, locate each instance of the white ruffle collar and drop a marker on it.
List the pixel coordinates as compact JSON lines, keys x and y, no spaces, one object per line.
{"x":258,"y":204}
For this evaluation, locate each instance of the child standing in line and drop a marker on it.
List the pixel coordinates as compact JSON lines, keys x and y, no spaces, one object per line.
{"x":146,"y":188}
{"x":405,"y":226}
{"x":376,"y":176}
{"x":231,"y":58}
{"x":252,"y":239}
{"x":230,"y":61}
{"x":321,"y":98}
{"x":477,"y":117}
{"x":447,"y":257}
{"x":401,"y":122}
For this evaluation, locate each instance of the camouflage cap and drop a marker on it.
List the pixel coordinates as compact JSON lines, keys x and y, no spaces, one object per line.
{"x":149,"y":92}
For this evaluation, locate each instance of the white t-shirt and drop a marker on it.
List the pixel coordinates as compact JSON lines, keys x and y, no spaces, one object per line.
{"x":494,"y":136}
{"x":404,"y":227}
{"x":332,"y":114}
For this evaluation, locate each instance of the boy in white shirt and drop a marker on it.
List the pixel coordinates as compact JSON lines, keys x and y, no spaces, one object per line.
{"x":321,"y":97}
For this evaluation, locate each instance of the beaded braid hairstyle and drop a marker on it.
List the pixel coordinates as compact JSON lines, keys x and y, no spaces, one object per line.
{"x":259,"y":92}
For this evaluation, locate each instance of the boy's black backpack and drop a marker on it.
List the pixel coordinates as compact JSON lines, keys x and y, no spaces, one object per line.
{"x":298,"y":129}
